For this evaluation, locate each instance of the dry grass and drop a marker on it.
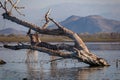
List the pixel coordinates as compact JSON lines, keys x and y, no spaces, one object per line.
{"x":53,"y":39}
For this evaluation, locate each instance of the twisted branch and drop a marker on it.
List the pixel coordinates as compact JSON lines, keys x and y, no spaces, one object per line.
{"x":46,"y":19}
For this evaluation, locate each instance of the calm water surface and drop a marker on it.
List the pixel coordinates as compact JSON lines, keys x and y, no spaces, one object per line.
{"x":68,"y":69}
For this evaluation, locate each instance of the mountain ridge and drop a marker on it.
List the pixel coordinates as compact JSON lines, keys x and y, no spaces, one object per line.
{"x":91,"y":24}
{"x":8,"y":31}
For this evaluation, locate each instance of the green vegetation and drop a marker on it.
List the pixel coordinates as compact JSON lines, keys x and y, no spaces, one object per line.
{"x":98,"y":37}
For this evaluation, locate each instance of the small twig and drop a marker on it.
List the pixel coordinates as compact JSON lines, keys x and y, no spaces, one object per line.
{"x":56,"y":23}
{"x":19,"y":7}
{"x":29,"y":31}
{"x":19,"y":12}
{"x":5,"y":4}
{"x":56,"y":59}
{"x":3,"y":7}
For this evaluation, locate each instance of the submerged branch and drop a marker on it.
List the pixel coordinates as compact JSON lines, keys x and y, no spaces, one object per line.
{"x":81,"y":55}
{"x":41,"y":49}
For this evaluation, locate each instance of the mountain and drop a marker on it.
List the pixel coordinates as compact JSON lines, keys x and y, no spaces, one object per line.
{"x":91,"y":24}
{"x":8,"y":31}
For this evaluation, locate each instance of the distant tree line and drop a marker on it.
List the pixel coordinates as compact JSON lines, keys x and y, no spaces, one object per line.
{"x":9,"y":35}
{"x":101,"y":36}
{"x":112,"y":35}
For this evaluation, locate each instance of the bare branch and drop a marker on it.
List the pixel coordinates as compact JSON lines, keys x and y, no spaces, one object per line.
{"x":57,"y":24}
{"x":14,"y":5}
{"x":33,"y":26}
{"x":56,"y":59}
{"x":29,"y":31}
{"x":47,"y":14}
{"x":46,"y":19}
{"x":19,"y":12}
{"x":3,"y":6}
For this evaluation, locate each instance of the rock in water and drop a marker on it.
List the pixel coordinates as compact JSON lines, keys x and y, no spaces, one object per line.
{"x":2,"y":62}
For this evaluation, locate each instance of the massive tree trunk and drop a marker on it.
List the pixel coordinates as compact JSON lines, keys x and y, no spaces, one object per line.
{"x":77,"y":51}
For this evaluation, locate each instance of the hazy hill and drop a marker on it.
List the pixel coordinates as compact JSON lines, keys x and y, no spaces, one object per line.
{"x":91,"y":24}
{"x":8,"y":31}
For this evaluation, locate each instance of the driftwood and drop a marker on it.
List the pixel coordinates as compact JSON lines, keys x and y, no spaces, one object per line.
{"x":77,"y":51}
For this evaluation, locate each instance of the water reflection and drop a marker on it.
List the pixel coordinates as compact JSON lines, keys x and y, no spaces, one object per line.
{"x":104,"y":46}
{"x":55,"y":73}
{"x":32,"y":74}
{"x":75,"y":73}
{"x":53,"y":67}
{"x":31,"y":56}
{"x":17,"y":69}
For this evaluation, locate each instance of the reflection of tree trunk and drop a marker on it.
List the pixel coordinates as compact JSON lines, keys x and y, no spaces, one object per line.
{"x":78,"y":51}
{"x":53,"y":66}
{"x":86,"y":73}
{"x":42,"y":74}
{"x":83,"y":74}
{"x":32,"y":56}
{"x":32,"y":74}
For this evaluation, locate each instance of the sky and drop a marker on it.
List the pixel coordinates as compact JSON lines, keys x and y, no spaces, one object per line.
{"x":61,"y":9}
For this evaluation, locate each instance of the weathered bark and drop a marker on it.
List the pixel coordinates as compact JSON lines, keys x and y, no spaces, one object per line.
{"x":82,"y":56}
{"x":79,"y":44}
{"x":33,"y":26}
{"x":78,"y":51}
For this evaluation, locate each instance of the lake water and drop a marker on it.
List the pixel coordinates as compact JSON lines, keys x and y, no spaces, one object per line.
{"x":67,"y":69}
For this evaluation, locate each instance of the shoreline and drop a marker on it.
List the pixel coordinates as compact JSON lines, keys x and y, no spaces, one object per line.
{"x":6,"y":39}
{"x":64,"y":42}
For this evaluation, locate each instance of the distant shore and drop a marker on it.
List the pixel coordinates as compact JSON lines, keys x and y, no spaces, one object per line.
{"x":21,"y":38}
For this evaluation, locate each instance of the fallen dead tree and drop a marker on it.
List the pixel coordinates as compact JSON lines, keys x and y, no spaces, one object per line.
{"x":77,"y":51}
